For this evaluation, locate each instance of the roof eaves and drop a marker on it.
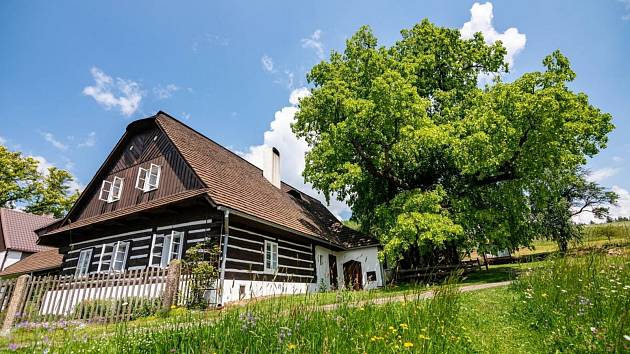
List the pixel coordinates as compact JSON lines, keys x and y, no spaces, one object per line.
{"x":281,"y":227}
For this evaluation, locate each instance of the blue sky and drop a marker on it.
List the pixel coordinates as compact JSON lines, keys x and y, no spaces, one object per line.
{"x":73,"y":74}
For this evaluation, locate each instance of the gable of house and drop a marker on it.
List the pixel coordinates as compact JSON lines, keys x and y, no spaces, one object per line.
{"x":144,"y":145}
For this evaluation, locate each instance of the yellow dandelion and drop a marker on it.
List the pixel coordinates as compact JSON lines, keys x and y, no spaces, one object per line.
{"x":173,"y":306}
{"x":404,"y":326}
{"x":291,"y":346}
{"x":391,"y":328}
{"x":408,"y":344}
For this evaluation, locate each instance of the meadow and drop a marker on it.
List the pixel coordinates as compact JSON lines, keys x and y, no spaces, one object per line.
{"x":578,"y":303}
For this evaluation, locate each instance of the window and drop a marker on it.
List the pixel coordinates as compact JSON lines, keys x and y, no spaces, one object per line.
{"x":111,"y":191}
{"x":83,"y":265}
{"x":271,"y":256}
{"x":148,"y":180}
{"x":113,"y":256}
{"x":165,"y":248}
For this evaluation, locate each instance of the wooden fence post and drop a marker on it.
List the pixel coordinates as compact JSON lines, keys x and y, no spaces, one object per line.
{"x":17,"y":299}
{"x":172,"y":284}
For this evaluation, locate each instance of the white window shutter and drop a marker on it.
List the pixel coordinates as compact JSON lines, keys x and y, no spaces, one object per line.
{"x":153,"y":179}
{"x":142,"y":178}
{"x":157,"y":248}
{"x":104,"y":195}
{"x":116,"y":191}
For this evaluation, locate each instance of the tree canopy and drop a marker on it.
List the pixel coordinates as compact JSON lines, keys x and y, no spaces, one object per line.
{"x":425,"y":156}
{"x":23,"y":185}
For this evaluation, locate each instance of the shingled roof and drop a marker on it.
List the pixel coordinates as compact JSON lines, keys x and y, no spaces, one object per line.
{"x":18,"y":230}
{"x":36,"y":262}
{"x":232,"y":182}
{"x":235,"y":183}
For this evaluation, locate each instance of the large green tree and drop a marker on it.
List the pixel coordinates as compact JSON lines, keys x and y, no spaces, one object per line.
{"x":424,"y":156}
{"x":22,"y":184}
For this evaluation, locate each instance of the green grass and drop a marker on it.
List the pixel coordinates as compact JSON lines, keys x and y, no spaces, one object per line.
{"x":543,"y":312}
{"x":490,"y":323}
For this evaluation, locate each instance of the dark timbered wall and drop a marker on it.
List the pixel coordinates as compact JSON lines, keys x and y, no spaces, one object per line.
{"x":151,"y":146}
{"x":245,"y":256}
{"x":195,"y":231}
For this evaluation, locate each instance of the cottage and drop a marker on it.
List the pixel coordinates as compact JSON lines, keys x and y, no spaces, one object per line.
{"x":18,"y":239}
{"x":165,"y":187}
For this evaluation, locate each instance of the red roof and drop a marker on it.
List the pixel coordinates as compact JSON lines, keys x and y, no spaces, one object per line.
{"x":36,"y":262}
{"x":18,"y":230}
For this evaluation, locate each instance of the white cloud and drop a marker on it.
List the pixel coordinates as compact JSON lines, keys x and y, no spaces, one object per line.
{"x":622,"y":208}
{"x":617,"y":158}
{"x":44,"y":165}
{"x":267,"y":63}
{"x":49,"y":137}
{"x":164,"y":92}
{"x":186,"y":115}
{"x":481,"y":21}
{"x":297,"y":94}
{"x":3,"y":141}
{"x":292,"y":151}
{"x":314,"y":42}
{"x":89,"y":141}
{"x":623,"y":204}
{"x":109,"y":93}
{"x":602,"y":174}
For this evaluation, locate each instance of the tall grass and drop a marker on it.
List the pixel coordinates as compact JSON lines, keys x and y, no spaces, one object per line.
{"x":578,"y":304}
{"x":415,"y":325}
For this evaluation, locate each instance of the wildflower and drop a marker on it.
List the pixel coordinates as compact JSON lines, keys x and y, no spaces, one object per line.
{"x":422,"y":336}
{"x":173,"y":306}
{"x":594,"y":330}
{"x":14,"y":346}
{"x":404,"y":326}
{"x":391,"y":328}
{"x":408,"y":344}
{"x":544,"y":295}
{"x":291,"y":346}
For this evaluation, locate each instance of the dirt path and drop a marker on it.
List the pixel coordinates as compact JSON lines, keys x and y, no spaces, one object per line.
{"x":412,"y":297}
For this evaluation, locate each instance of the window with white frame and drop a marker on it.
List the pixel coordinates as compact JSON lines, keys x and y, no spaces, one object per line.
{"x":113,"y":256}
{"x":83,"y":265}
{"x":165,"y":248}
{"x":111,"y":191}
{"x":271,"y":256}
{"x":148,"y":179}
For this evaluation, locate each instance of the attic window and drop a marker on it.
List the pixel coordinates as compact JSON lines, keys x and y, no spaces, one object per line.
{"x":148,"y":179}
{"x":295,"y":194}
{"x":111,"y":191}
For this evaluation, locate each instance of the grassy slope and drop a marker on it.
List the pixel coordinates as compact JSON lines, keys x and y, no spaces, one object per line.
{"x":491,"y":326}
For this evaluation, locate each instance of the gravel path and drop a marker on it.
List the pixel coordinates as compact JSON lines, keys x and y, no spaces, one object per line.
{"x":411,"y":297}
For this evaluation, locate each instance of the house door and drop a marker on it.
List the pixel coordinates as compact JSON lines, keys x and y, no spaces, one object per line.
{"x":332,"y":270}
{"x":352,"y":275}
